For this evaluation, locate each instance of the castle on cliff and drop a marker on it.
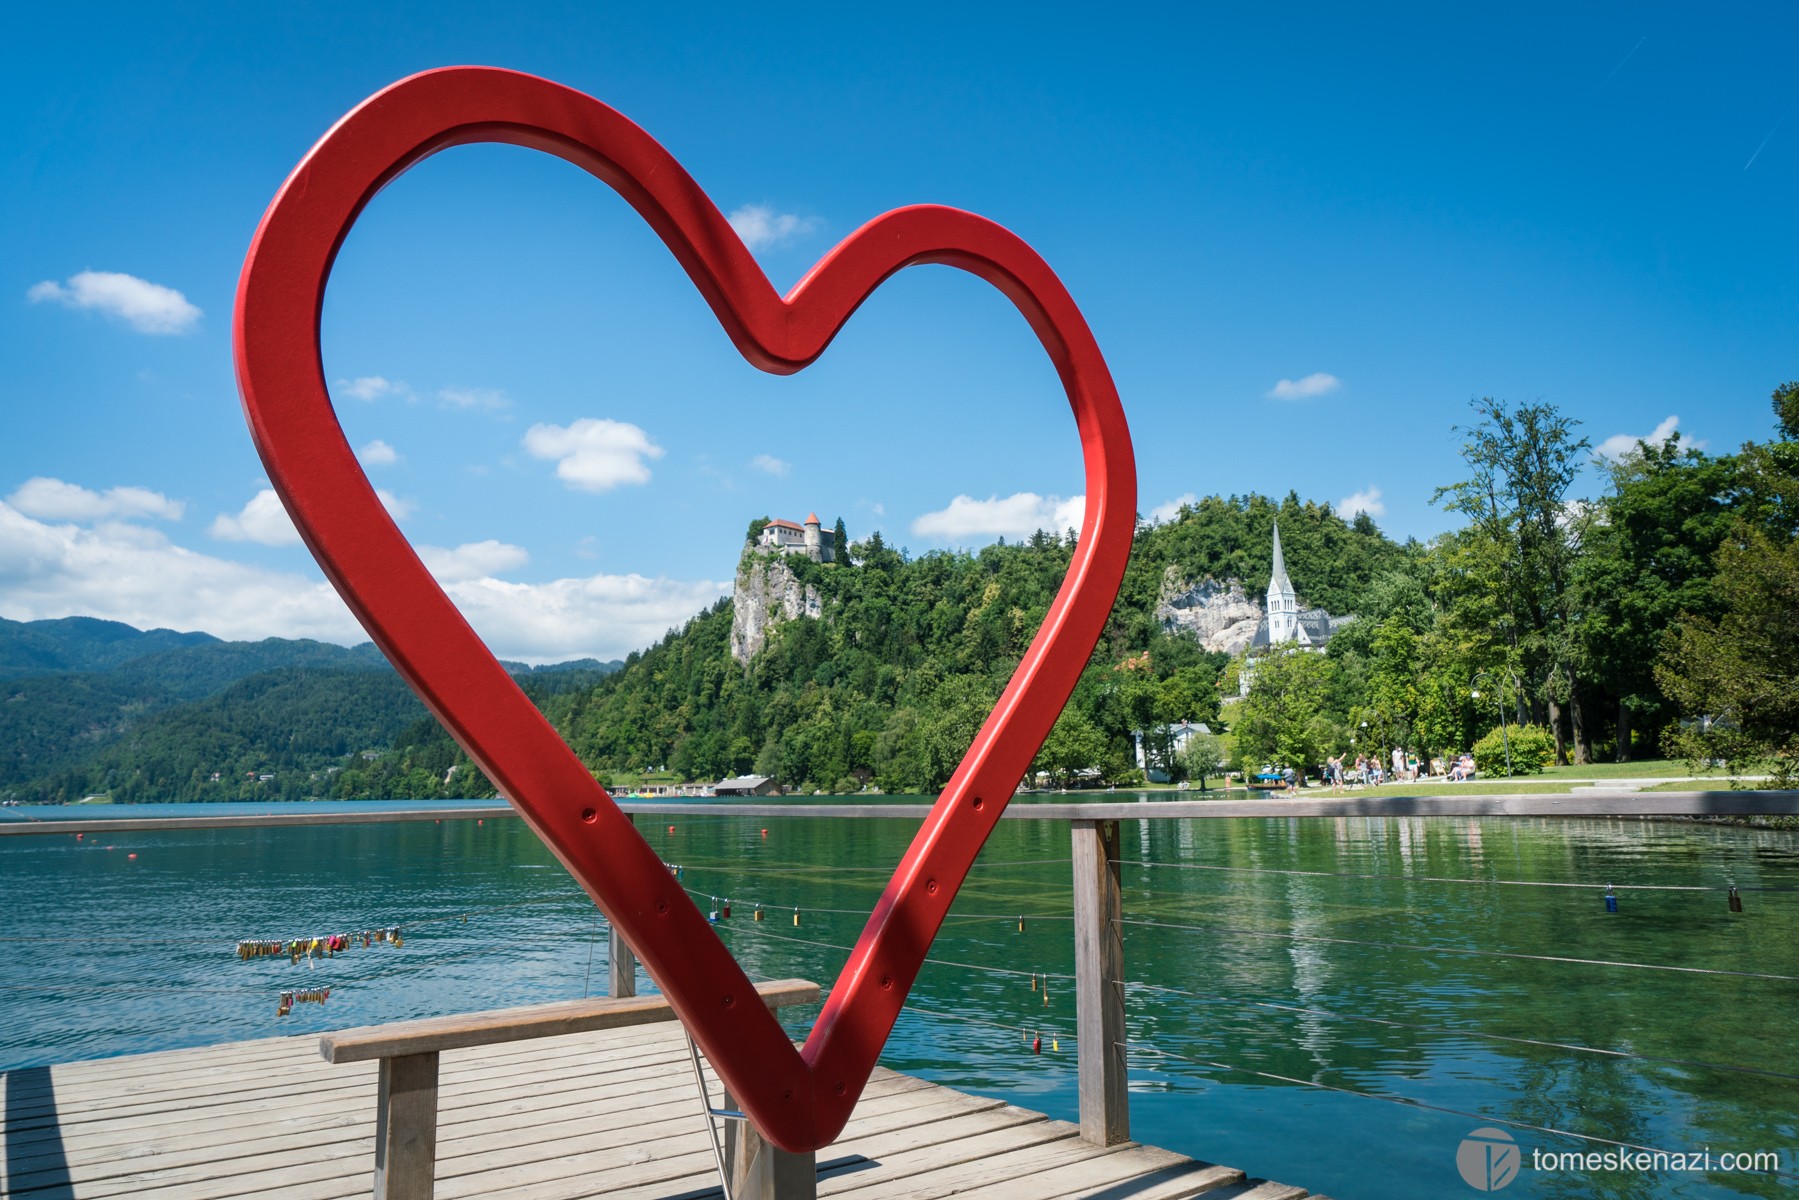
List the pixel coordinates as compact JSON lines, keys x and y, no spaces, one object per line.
{"x":808,"y":539}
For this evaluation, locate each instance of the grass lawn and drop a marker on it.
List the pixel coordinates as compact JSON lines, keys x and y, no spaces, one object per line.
{"x":1648,"y":768}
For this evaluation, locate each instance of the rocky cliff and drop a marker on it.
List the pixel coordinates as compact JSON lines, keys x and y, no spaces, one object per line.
{"x":767,"y":592}
{"x":1219,"y":614}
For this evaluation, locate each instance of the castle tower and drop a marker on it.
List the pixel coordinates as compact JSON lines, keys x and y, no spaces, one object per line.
{"x":814,"y":542}
{"x":1283,"y":602}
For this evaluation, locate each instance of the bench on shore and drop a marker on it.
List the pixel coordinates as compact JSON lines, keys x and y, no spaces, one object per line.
{"x":406,"y":1107}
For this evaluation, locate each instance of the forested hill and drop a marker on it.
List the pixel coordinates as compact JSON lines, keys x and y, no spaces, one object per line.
{"x":894,"y":680}
{"x":81,"y":644}
{"x":890,"y":685}
{"x":92,"y":707}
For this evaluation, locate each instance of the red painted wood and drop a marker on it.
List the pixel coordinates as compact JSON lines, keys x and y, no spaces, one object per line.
{"x":800,"y":1099}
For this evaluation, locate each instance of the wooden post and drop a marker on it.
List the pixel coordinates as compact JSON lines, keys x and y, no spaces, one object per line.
{"x":406,"y":1127}
{"x":760,"y":1170}
{"x":621,"y":969}
{"x":1099,"y":984}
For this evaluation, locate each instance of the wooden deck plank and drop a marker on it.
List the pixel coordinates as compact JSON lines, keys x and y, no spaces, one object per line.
{"x":302,"y":1055}
{"x":278,"y":1082}
{"x":625,"y":1117}
{"x":1108,"y":1173}
{"x":609,"y":1113}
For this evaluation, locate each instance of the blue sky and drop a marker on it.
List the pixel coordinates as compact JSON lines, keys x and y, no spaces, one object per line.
{"x":1305,"y":236}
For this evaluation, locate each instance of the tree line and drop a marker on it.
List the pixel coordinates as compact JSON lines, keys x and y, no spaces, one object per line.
{"x":1660,"y":617}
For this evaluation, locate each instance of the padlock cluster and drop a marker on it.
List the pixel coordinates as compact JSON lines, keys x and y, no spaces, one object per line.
{"x":301,"y":996}
{"x":327,"y":946}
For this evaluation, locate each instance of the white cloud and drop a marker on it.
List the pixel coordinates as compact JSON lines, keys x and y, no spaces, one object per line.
{"x":262,"y":520}
{"x":146,"y":307}
{"x":605,"y":616}
{"x":397,"y":507}
{"x":378,"y":454}
{"x":1316,"y":384}
{"x":1365,"y":501}
{"x":54,"y":500}
{"x":369,"y":388}
{"x":473,"y":560}
{"x":761,"y":227}
{"x":134,"y":574}
{"x":595,"y":455}
{"x":1018,"y":515}
{"x":1620,"y":444}
{"x":774,"y":466}
{"x":1163,"y":513}
{"x":490,"y":399}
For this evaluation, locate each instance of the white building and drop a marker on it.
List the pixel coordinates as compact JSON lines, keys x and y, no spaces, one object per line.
{"x":1285,"y":621}
{"x":808,"y":539}
{"x":1173,"y":737}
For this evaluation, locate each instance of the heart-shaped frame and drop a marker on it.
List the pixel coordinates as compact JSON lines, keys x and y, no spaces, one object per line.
{"x":800,"y":1099}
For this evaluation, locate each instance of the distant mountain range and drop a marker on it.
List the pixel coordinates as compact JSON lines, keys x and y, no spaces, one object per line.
{"x":92,"y":707}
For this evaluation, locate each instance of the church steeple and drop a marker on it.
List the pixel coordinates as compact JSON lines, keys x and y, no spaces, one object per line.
{"x":1278,"y":578}
{"x":1283,"y":602}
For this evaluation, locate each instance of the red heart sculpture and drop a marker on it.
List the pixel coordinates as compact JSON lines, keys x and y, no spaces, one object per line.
{"x":800,"y":1099}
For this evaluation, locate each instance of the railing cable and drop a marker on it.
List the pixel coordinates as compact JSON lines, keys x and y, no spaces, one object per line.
{"x":1452,"y":1031}
{"x":1459,"y":950}
{"x":1548,"y":883}
{"x":1408,"y":1102}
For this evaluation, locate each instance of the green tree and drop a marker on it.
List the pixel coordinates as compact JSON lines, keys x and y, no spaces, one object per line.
{"x":1074,"y":744}
{"x":840,"y":544}
{"x":1647,"y":559}
{"x":956,"y":713}
{"x":1202,"y":757}
{"x":1523,"y":529}
{"x":1786,"y":410}
{"x":1283,"y":720}
{"x":1736,"y":676}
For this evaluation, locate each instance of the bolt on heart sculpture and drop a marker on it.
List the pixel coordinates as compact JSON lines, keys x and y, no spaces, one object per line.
{"x":800,"y":1099}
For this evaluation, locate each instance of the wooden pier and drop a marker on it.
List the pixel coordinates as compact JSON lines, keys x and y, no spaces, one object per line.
{"x":612,"y":1113}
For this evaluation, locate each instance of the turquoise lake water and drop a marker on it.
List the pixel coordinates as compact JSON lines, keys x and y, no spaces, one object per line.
{"x":1266,"y":956}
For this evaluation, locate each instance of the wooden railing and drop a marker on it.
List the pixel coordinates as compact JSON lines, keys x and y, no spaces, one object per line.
{"x":406,"y":1103}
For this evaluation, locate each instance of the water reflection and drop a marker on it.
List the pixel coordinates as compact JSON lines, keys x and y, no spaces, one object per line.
{"x":1267,"y":939}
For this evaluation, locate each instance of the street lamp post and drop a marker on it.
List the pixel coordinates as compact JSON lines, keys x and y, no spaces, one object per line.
{"x":1499,"y":703}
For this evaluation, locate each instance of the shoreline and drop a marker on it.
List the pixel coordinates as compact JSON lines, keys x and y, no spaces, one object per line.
{"x":1742,"y":807}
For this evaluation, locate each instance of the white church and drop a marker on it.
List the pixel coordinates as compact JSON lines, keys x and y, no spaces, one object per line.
{"x":1284,"y":621}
